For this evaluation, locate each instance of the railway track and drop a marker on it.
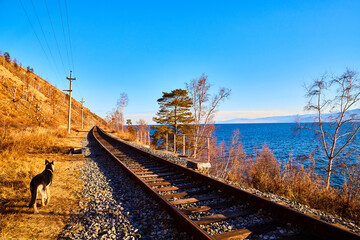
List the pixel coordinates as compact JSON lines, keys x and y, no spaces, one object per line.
{"x":209,"y":209}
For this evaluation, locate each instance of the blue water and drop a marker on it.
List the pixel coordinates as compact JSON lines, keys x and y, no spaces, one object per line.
{"x":280,"y":138}
{"x":282,"y":141}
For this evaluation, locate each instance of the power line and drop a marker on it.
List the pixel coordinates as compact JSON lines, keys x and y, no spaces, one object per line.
{"x":42,"y":30}
{"x":37,"y":37}
{"x":67,"y":17}
{"x":62,"y":24}
{"x":79,"y":89}
{"x":57,"y":44}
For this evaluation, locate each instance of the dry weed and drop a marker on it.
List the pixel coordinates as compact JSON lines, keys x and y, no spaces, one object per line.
{"x":290,"y":178}
{"x":22,"y":156}
{"x":127,"y":136}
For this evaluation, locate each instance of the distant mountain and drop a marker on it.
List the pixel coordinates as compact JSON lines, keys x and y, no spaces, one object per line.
{"x":288,"y":119}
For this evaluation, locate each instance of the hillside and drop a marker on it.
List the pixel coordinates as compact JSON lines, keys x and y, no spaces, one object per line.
{"x":33,"y":123}
{"x":27,"y":100}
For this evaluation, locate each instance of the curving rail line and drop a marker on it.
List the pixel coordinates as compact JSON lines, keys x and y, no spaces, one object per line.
{"x":197,"y":201}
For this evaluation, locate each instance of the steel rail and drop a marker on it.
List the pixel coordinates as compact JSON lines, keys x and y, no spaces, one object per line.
{"x":307,"y":224}
{"x":181,"y":218}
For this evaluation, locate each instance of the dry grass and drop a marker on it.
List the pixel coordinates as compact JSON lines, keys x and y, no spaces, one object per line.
{"x":27,"y":102}
{"x":289,"y":179}
{"x":127,"y":136}
{"x":22,"y":159}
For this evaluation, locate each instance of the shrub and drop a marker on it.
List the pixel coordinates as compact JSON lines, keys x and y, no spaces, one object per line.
{"x":290,"y":178}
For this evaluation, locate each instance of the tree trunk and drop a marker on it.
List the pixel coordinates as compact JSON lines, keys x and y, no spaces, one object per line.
{"x":327,"y":184}
{"x":195,"y":147}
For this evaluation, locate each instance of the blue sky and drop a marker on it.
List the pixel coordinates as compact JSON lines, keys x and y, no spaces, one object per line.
{"x":263,"y":50}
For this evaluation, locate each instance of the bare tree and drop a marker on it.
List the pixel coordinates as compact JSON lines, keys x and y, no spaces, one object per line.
{"x":336,"y":95}
{"x":121,"y":104}
{"x":143,"y":131}
{"x":203,"y":107}
{"x":113,"y":119}
{"x":40,"y":112}
{"x":13,"y":90}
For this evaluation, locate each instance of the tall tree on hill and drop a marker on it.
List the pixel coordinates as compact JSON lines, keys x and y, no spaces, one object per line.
{"x":174,"y":114}
{"x":336,"y":132}
{"x":7,"y":56}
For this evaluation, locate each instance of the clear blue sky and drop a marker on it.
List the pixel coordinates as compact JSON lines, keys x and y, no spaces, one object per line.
{"x":263,"y":50}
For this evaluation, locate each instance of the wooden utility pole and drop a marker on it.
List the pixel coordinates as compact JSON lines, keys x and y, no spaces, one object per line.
{"x":69,"y":112}
{"x":82,"y":113}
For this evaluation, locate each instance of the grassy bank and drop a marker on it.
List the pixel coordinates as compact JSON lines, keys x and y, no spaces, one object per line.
{"x":22,"y":156}
{"x":289,"y":179}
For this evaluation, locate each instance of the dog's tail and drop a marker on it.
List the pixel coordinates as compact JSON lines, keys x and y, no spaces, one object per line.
{"x":33,"y":191}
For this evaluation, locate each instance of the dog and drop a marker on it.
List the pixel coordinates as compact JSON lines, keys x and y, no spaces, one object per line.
{"x":41,"y":183}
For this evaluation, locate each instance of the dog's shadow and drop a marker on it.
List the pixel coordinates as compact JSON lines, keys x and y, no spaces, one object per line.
{"x":16,"y":206}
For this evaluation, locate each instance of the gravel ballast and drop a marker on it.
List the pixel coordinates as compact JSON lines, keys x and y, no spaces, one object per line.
{"x":330,"y":218}
{"x":115,"y":207}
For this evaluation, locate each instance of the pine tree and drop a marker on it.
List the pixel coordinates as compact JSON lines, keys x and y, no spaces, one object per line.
{"x":130,"y":127}
{"x":174,"y":115}
{"x":7,"y":56}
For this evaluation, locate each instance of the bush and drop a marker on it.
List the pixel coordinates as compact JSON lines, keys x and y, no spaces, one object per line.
{"x":290,"y":179}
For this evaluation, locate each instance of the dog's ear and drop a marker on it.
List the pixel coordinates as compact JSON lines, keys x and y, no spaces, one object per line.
{"x":46,"y":162}
{"x":52,"y":162}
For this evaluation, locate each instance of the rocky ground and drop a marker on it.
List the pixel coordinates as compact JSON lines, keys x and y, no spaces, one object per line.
{"x":297,"y":206}
{"x":115,"y":207}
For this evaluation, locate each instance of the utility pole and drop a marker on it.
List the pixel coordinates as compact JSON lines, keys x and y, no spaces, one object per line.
{"x":69,"y":113}
{"x":82,"y":107}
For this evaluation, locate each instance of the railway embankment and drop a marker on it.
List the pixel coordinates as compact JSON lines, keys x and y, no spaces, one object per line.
{"x":330,"y":218}
{"x":168,"y":180}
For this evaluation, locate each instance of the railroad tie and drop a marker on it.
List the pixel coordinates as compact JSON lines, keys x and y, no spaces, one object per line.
{"x":159,"y":184}
{"x":233,"y":235}
{"x":193,"y":199}
{"x":222,"y":216}
{"x":154,"y":180}
{"x":166,"y":189}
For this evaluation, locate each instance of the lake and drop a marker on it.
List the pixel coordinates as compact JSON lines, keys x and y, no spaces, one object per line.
{"x":281,"y":140}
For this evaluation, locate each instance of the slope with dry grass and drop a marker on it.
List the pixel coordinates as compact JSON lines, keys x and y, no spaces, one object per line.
{"x":28,"y":100}
{"x":17,"y":221}
{"x":33,"y":120}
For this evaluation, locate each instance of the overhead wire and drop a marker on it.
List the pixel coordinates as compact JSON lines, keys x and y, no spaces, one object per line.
{"x":43,"y":33}
{"x":65,"y":41}
{"x":67,"y":45}
{"x":68,"y":25}
{"x":57,"y":44}
{"x":70,"y":44}
{"x":37,"y":37}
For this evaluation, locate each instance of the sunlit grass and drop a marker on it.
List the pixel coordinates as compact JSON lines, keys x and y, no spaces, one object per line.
{"x":290,"y":179}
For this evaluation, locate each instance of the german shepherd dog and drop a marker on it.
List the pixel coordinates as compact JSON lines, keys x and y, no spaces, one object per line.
{"x":41,"y":183}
